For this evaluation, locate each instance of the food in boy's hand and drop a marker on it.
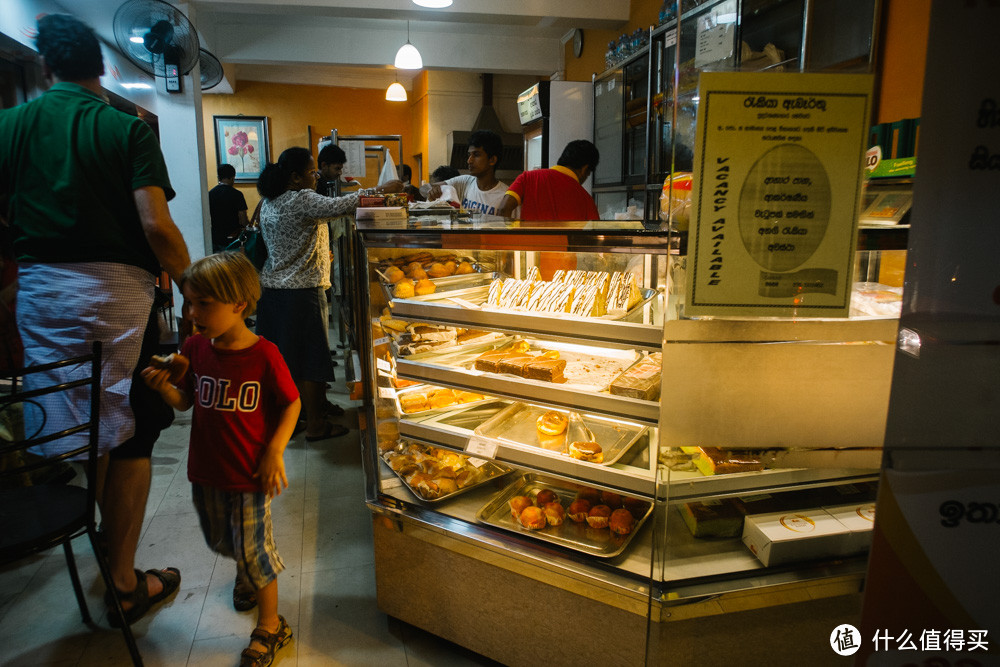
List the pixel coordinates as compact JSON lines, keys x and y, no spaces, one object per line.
{"x":156,"y":361}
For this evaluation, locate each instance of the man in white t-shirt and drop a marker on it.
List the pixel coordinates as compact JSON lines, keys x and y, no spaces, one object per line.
{"x":478,"y":191}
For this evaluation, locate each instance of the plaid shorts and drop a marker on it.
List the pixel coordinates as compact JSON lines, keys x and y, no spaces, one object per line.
{"x":238,"y":525}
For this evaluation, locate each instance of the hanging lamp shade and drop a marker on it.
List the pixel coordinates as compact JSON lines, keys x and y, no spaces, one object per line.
{"x":408,"y":57}
{"x":433,"y":4}
{"x":395,"y":92}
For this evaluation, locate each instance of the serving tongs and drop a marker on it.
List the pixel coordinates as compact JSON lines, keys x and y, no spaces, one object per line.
{"x":577,"y":430}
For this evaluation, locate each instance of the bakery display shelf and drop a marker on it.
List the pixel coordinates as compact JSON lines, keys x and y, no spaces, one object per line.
{"x":426,"y":389}
{"x":612,"y":333}
{"x":634,"y":473}
{"x":546,"y":393}
{"x":698,"y":567}
{"x":683,"y":486}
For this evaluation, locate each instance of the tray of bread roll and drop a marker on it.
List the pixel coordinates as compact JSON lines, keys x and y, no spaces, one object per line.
{"x":593,"y":522}
{"x":427,"y":399}
{"x":434,"y":474}
{"x":591,"y":438}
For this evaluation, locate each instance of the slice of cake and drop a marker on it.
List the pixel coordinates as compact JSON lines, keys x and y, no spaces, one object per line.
{"x":548,"y":370}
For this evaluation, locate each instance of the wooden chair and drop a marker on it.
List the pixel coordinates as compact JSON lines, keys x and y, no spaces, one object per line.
{"x":38,"y":517}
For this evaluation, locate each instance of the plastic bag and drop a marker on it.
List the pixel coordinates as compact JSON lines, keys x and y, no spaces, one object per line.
{"x":675,"y":200}
{"x":388,"y":170}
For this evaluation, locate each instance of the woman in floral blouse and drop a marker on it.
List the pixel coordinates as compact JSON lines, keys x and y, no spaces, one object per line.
{"x":293,"y":312}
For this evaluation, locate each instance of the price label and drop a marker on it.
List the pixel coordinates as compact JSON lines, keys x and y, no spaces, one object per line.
{"x":383,"y":365}
{"x":384,"y":340}
{"x":391,"y":483}
{"x":387,"y":392}
{"x":479,"y":463}
{"x":482,"y":447}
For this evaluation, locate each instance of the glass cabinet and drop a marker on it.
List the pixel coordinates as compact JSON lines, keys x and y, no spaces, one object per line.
{"x":541,"y":418}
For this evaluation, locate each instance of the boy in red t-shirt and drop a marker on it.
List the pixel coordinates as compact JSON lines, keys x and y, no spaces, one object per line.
{"x":245,"y":409}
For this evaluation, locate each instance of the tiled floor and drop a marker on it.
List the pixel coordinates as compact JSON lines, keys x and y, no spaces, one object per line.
{"x":327,"y":592}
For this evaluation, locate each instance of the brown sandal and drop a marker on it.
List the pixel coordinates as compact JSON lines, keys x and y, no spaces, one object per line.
{"x":251,"y":657}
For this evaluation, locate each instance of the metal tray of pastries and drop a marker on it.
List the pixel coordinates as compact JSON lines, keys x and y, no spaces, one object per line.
{"x":435,"y":474}
{"x":575,"y":525}
{"x":519,"y":425}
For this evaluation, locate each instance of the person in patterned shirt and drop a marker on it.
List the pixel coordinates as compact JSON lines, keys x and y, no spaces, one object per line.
{"x":293,"y":311}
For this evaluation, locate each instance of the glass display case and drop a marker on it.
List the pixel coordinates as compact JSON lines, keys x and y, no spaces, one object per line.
{"x":490,"y":380}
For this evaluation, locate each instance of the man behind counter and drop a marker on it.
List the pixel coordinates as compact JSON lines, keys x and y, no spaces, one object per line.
{"x":227,"y":207}
{"x":556,"y":193}
{"x":479,"y":190}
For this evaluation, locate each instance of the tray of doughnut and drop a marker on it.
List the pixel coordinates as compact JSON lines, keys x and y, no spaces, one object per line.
{"x":426,"y":399}
{"x":582,"y":367}
{"x":597,"y":523}
{"x":590,"y":438}
{"x":434,"y":474}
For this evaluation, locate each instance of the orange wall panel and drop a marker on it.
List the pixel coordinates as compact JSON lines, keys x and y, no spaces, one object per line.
{"x":292,"y":110}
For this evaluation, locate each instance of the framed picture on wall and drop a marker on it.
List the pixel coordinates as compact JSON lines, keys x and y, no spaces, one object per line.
{"x":243,"y":142}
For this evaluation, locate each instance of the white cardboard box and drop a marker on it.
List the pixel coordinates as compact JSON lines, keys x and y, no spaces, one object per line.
{"x":784,"y":537}
{"x":859,"y":519}
{"x":393,"y":213}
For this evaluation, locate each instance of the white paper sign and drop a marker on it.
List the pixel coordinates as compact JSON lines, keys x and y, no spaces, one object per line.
{"x":482,"y":446}
{"x":387,"y":392}
{"x":355,"y":165}
{"x":383,"y":365}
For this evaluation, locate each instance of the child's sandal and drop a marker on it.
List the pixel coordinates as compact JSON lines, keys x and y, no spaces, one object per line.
{"x":273,"y":641}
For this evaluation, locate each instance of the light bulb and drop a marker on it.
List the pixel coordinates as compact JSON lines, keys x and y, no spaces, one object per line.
{"x":408,"y":57}
{"x":433,"y":4}
{"x":395,"y":92}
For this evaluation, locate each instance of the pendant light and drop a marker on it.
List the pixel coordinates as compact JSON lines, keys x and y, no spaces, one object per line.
{"x":408,"y":57}
{"x":395,"y":92}
{"x":433,"y":4}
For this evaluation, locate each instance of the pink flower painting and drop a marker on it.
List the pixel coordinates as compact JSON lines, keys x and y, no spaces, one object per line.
{"x":241,"y":141}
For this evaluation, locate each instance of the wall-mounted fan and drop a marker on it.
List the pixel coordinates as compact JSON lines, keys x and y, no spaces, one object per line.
{"x":158,"y":38}
{"x":210,"y":68}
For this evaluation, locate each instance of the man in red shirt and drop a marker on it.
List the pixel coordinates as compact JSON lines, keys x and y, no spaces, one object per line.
{"x":556,"y":193}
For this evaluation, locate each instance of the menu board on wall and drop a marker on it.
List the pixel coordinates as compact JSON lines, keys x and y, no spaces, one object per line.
{"x":777,"y":173}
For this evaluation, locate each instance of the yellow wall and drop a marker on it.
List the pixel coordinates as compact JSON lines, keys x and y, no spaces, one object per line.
{"x":904,"y":49}
{"x":642,"y":14}
{"x":292,"y":110}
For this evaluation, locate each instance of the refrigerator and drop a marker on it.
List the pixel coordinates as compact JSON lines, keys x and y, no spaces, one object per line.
{"x":552,"y":114}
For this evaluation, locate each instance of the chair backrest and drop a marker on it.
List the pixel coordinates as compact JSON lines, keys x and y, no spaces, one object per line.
{"x":17,"y":462}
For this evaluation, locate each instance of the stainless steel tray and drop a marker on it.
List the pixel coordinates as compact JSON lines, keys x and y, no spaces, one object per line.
{"x":599,"y":542}
{"x":490,"y":471}
{"x":443,"y":354}
{"x":468,"y":287}
{"x":647,"y":296}
{"x":585,"y":370}
{"x":425,"y":388}
{"x":515,"y":426}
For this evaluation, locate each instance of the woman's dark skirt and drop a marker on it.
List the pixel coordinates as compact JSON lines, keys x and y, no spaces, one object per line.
{"x":296,"y":320}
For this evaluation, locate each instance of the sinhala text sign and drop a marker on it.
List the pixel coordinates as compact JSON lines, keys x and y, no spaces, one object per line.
{"x":778,"y":167}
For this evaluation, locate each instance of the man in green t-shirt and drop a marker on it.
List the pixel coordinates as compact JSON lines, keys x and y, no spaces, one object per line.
{"x":86,"y":189}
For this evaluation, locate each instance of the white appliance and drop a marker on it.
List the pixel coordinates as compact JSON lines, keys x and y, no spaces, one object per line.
{"x":552,"y":114}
